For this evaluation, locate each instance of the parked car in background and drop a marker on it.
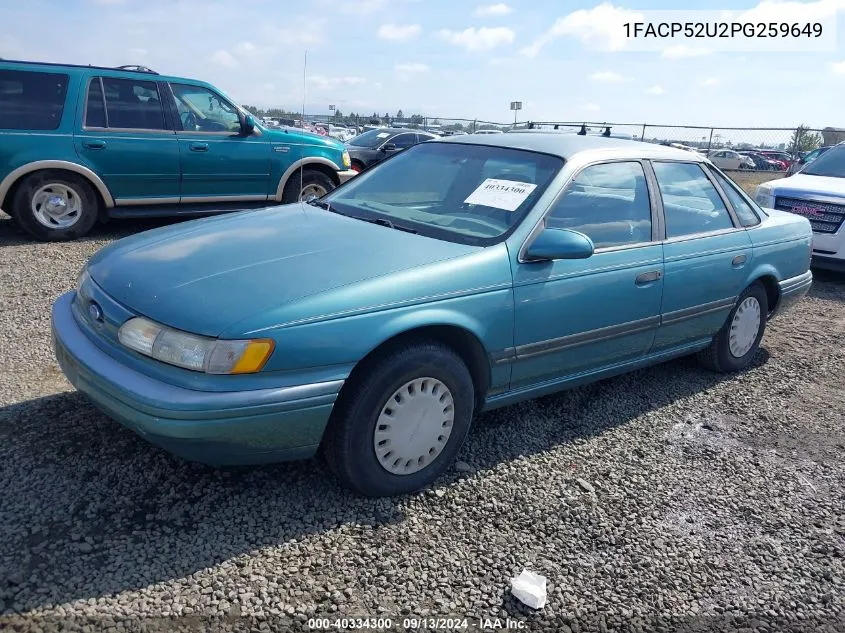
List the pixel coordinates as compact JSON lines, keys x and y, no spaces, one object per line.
{"x":728,"y":159}
{"x":462,"y":275}
{"x":488,"y":132}
{"x":783,"y":159}
{"x":805,"y":159}
{"x":373,"y":146}
{"x":80,"y":144}
{"x":817,"y":192}
{"x":760,"y":162}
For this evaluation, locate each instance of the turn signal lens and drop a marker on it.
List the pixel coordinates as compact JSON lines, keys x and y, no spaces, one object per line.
{"x":347,"y":162}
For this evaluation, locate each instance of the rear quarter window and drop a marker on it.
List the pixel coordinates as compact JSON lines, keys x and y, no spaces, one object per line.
{"x":31,"y":100}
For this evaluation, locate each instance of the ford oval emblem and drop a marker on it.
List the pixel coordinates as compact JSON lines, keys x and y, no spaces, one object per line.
{"x":95,"y":312}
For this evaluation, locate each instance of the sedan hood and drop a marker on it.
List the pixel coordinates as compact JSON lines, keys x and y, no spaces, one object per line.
{"x":824,"y":186}
{"x":206,"y":275}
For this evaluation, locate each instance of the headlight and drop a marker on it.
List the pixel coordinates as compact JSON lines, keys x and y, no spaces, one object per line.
{"x":347,"y":162}
{"x":763,"y":196}
{"x":81,"y":279}
{"x":199,"y":353}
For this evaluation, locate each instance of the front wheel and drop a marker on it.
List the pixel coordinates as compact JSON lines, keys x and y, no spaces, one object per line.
{"x":53,"y":206}
{"x":402,"y":421}
{"x":306,"y":183}
{"x":735,"y":345}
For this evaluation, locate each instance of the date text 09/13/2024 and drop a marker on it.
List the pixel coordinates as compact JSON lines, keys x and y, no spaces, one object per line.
{"x":417,"y":624}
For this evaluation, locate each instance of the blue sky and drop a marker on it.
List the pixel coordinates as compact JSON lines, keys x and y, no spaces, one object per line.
{"x":448,"y":58}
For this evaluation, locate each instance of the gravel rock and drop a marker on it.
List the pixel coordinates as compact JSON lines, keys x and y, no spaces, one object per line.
{"x":721,"y":505}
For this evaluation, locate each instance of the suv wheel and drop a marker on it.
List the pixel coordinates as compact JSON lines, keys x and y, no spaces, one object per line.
{"x":54,"y":206}
{"x":311,"y":182}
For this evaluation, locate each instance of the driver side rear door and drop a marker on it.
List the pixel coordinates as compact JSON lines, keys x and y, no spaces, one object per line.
{"x":219,"y":163}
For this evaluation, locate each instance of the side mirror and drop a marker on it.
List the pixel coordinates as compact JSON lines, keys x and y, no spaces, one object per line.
{"x":248,"y":124}
{"x":559,"y":244}
{"x":390,"y":147}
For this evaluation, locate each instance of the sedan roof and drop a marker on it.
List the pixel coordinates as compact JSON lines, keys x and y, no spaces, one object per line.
{"x":568,"y":145}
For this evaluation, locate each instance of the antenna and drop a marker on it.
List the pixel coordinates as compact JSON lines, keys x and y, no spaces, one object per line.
{"x":304,"y":94}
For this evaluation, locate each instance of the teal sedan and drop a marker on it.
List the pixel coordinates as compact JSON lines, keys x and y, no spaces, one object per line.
{"x":372,"y":324}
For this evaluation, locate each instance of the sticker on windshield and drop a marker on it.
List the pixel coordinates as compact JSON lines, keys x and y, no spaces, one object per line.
{"x":501,"y":194}
{"x":383,"y":135}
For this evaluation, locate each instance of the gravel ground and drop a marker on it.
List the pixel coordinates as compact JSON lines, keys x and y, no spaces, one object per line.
{"x":669,"y":499}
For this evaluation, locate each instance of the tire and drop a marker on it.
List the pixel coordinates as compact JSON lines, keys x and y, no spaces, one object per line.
{"x":33,"y":195}
{"x":428,"y":374}
{"x":312,"y":181}
{"x":722,"y":356}
{"x":357,"y":166}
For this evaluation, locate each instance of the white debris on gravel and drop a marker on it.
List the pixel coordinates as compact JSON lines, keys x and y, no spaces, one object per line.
{"x":695,"y":516}
{"x":530,"y":589}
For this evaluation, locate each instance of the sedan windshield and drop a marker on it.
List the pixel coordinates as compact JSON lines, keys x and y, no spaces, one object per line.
{"x":472,"y":194}
{"x":831,"y":163}
{"x":372,"y":138}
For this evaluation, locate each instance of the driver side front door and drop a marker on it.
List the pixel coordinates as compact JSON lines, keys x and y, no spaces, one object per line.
{"x":219,"y":163}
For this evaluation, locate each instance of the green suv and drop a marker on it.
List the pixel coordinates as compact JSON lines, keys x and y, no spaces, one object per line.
{"x":80,"y":144}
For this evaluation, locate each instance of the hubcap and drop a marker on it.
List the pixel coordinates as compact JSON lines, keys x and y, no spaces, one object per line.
{"x":312,"y":191}
{"x":56,"y":206}
{"x":744,"y":327}
{"x":414,"y":426}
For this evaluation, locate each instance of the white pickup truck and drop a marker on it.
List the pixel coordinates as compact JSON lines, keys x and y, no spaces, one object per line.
{"x":818,"y":193}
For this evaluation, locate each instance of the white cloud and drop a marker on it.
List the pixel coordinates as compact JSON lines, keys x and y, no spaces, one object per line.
{"x":480,"y":39}
{"x":680,"y":52}
{"x":488,"y":10}
{"x":838,"y":67}
{"x":609,"y":77}
{"x":322,"y":82}
{"x":590,"y":107}
{"x":655,"y":90}
{"x":399,"y":32}
{"x":600,"y":27}
{"x":137,"y":53}
{"x":710,"y":82}
{"x":788,"y":11}
{"x":225,"y":59}
{"x":408,"y":71}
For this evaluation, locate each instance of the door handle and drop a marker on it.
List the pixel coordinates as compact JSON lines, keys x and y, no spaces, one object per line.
{"x":739,"y":260}
{"x":647,"y":278}
{"x":94,"y":144}
{"x":199,"y":147}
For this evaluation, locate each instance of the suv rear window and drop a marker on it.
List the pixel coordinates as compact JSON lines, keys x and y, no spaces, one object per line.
{"x":31,"y":101}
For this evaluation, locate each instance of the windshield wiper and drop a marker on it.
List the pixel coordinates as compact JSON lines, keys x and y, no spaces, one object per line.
{"x":320,"y":203}
{"x":388,"y":223}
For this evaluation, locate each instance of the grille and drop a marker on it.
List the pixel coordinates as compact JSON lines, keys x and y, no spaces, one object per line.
{"x":824,"y":217}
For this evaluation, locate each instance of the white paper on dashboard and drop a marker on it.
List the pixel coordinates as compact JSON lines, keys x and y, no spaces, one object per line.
{"x":501,"y":194}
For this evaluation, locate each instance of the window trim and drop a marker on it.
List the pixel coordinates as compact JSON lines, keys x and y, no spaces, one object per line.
{"x":694,"y":236}
{"x":751,"y":204}
{"x":657,"y":228}
{"x":121,"y":130}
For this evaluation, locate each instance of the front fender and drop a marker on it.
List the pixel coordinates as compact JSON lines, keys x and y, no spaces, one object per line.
{"x":344,"y":341}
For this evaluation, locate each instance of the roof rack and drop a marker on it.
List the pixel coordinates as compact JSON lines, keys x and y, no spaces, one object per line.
{"x":137,"y":69}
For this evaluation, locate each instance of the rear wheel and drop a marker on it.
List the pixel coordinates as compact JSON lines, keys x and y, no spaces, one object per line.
{"x":402,"y":421}
{"x":735,"y":345}
{"x":55,"y":206}
{"x":305,"y":184}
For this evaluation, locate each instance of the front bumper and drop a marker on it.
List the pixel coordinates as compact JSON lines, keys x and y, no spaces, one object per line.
{"x":827,"y":262}
{"x":346,"y":175}
{"x":216,"y":428}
